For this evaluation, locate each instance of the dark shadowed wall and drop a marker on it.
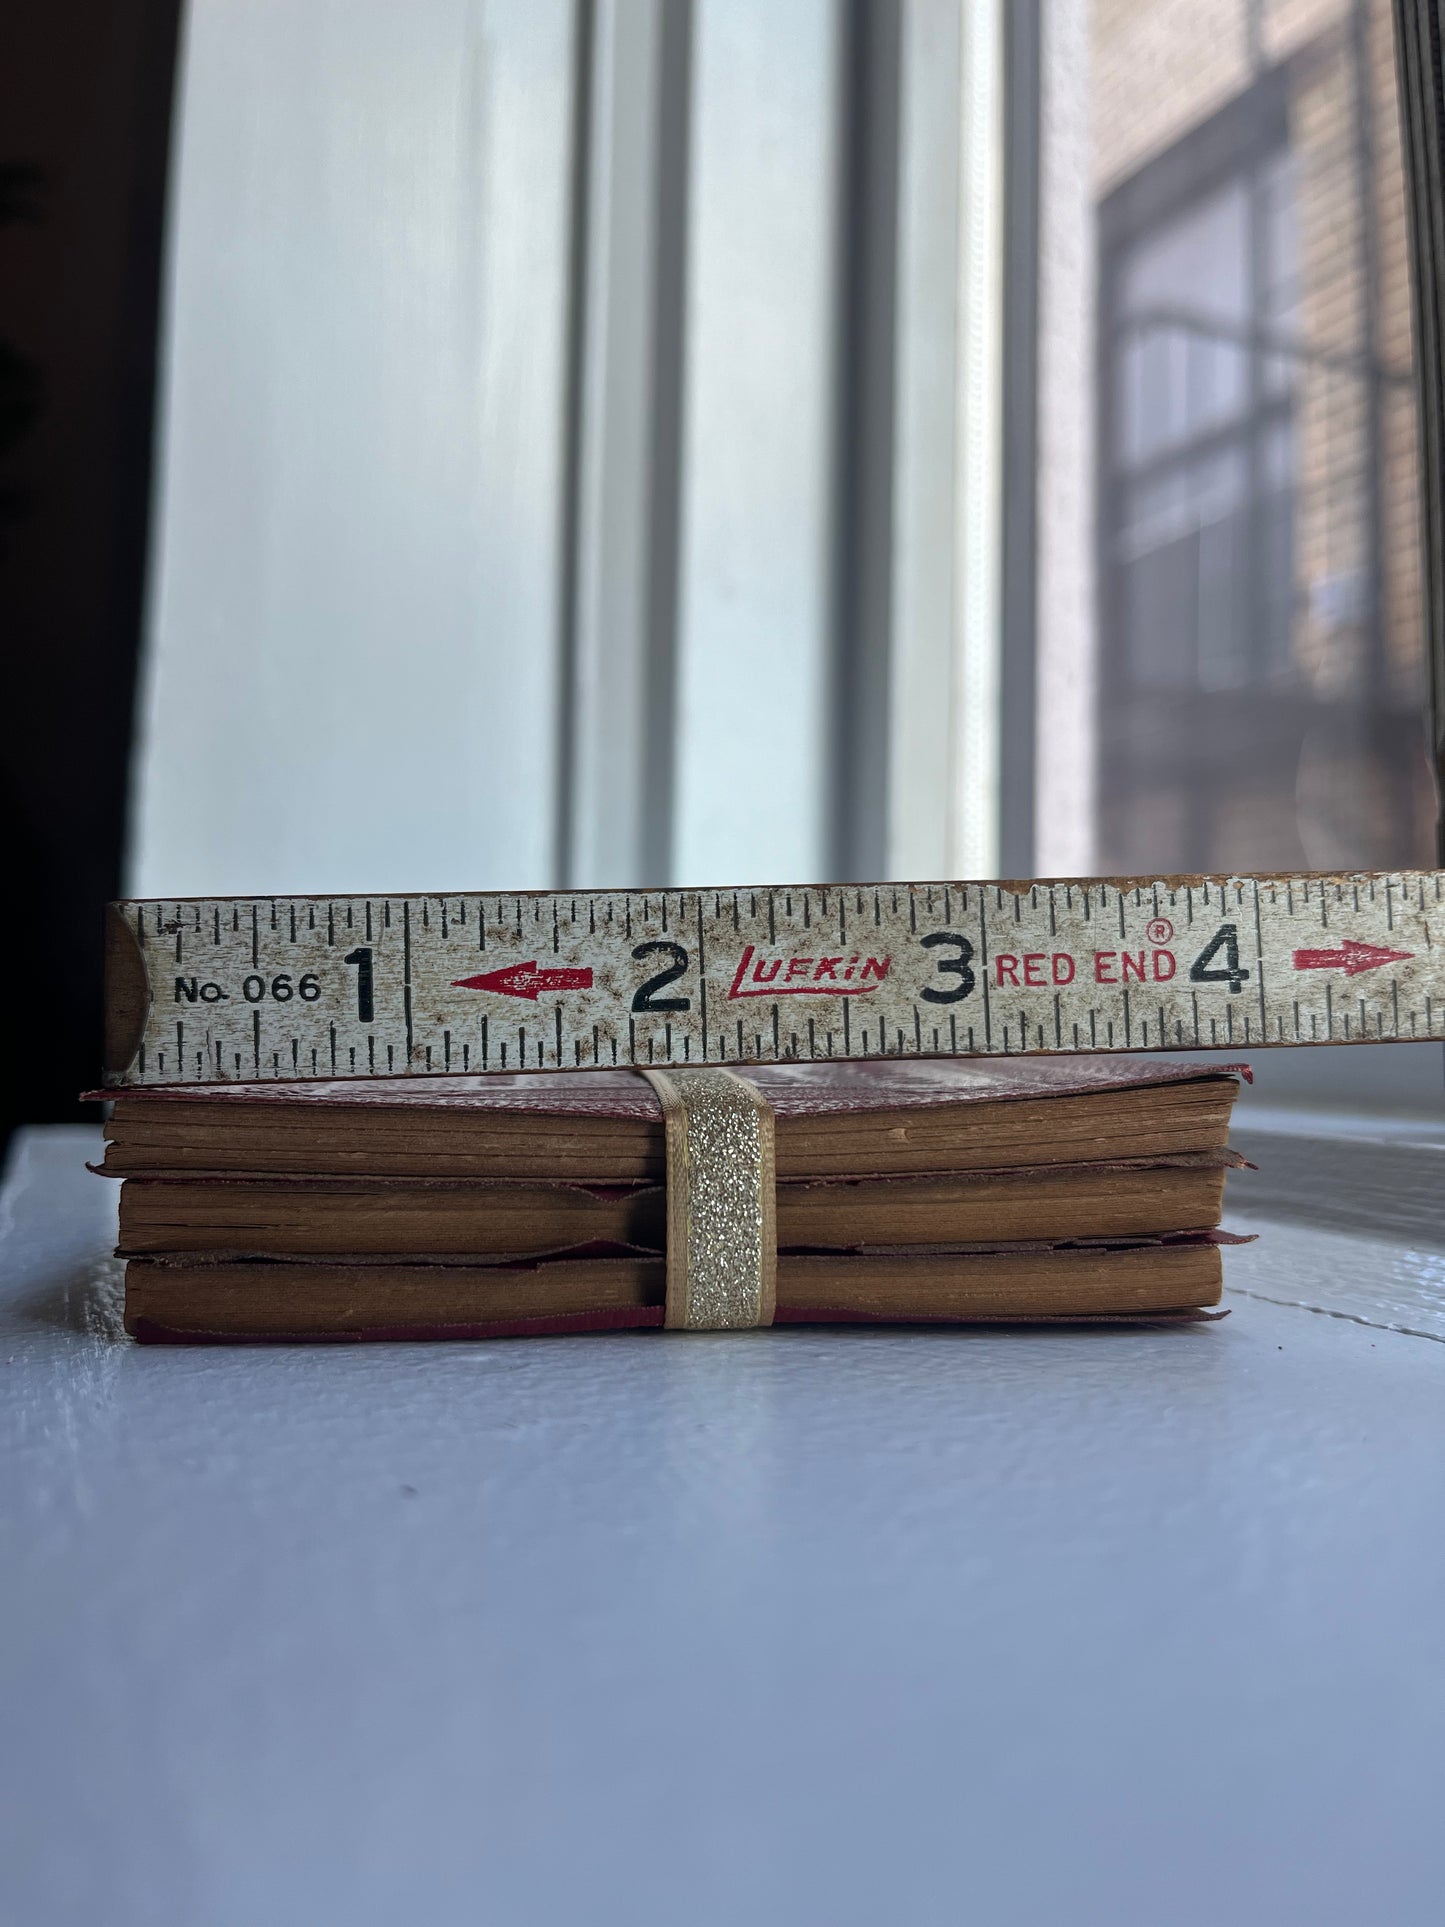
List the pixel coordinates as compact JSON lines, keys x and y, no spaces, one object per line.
{"x":85,"y":100}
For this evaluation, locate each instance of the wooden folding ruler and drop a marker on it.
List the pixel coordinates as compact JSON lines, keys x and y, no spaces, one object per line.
{"x":239,"y":989}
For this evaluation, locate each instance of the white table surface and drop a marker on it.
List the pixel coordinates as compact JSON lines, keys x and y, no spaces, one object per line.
{"x":1104,"y":1626}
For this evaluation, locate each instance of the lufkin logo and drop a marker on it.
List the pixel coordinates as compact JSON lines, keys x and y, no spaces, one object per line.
{"x":760,"y":976}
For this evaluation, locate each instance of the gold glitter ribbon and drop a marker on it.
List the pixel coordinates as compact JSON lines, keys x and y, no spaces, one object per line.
{"x":722,"y":1247}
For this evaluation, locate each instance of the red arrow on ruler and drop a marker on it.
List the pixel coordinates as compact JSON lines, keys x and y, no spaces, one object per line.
{"x":525,"y":980}
{"x":1351,"y":957}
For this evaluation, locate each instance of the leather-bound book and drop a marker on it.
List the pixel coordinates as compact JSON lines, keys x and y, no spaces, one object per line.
{"x":906,"y":1191}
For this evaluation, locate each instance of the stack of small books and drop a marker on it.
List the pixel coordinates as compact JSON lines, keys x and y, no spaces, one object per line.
{"x":471,"y":1207}
{"x":908,"y":1192}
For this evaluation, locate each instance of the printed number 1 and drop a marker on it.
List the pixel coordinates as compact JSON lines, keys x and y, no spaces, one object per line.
{"x":365,"y":1003}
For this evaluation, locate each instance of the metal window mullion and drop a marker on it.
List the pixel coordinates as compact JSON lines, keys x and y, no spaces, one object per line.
{"x":1064,"y":690}
{"x":975,"y":817}
{"x":943,"y":719}
{"x":632,"y":137}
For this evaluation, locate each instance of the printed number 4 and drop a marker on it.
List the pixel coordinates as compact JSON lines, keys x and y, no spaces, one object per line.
{"x":1225,"y":938}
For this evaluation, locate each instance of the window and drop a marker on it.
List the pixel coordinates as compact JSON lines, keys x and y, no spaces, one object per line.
{"x":1261,"y":683}
{"x":580,"y":447}
{"x":639,"y":442}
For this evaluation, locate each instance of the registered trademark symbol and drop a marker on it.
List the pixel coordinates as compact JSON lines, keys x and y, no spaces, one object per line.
{"x":1159,"y":930}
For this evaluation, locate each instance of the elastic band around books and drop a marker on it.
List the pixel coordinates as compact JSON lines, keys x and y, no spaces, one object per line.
{"x":722,"y":1249}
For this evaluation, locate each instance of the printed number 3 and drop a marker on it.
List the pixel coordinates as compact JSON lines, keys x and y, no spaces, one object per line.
{"x":959,"y":966}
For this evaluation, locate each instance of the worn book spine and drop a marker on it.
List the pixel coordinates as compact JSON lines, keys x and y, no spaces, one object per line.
{"x":243,"y":1217}
{"x":182,"y":1299}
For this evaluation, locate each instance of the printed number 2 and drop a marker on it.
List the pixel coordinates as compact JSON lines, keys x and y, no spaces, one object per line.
{"x":959,"y":966}
{"x":647,"y":998}
{"x":365,"y":1002}
{"x":1225,"y":938}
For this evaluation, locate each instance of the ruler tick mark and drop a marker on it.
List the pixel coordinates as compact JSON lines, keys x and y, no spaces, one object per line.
{"x":406,"y":975}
